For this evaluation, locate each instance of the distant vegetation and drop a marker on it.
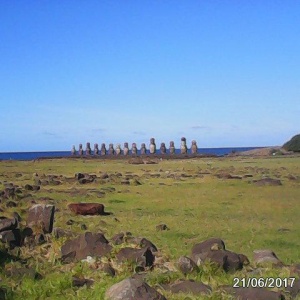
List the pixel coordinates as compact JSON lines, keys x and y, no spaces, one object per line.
{"x":293,"y":144}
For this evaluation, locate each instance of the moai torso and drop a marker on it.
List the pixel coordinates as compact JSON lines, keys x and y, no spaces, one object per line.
{"x":143,"y":148}
{"x":183,"y":147}
{"x":163,"y":149}
{"x":118,"y":149}
{"x":111,"y":149}
{"x":194,"y":148}
{"x":80,"y":151}
{"x":103,"y":149}
{"x":172,"y":148}
{"x":73,"y":151}
{"x":88,"y":149}
{"x":96,"y":149}
{"x":134,"y":149}
{"x":126,"y":149}
{"x":152,"y":147}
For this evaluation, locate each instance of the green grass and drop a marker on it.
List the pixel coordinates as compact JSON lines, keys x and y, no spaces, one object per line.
{"x":245,"y":216}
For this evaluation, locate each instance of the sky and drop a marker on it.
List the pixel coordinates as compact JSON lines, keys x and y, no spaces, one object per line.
{"x":225,"y":73}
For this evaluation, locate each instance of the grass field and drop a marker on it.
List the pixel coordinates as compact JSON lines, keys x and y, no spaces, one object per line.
{"x":186,"y":195}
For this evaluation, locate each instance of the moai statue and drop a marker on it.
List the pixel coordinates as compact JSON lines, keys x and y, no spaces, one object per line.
{"x":143,"y":148}
{"x":163,"y":149}
{"x":126,"y":149}
{"x":152,"y":146}
{"x":118,"y":149}
{"x":96,"y":149}
{"x":183,"y":147}
{"x":194,"y":147}
{"x":73,"y":151}
{"x":111,"y":149}
{"x":103,"y":149}
{"x":80,"y":151}
{"x":134,"y":149}
{"x":88,"y":150}
{"x":172,"y":148}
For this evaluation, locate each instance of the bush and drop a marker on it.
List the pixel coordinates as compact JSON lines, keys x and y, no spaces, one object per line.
{"x":293,"y":144}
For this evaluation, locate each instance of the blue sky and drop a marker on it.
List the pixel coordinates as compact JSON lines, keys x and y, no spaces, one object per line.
{"x":226,"y":73}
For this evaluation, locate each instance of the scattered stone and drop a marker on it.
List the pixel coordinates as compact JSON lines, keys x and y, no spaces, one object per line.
{"x":267,"y":181}
{"x":142,"y":243}
{"x":8,"y":224}
{"x":188,"y":286}
{"x":60,"y":232}
{"x":131,"y":289}
{"x":201,"y":250}
{"x":266,"y":257}
{"x":162,"y":227}
{"x":294,"y":290}
{"x":87,"y":244}
{"x":120,"y":238}
{"x":23,"y":272}
{"x":39,"y":239}
{"x":254,"y":293}
{"x":41,"y":215}
{"x":87,"y":208}
{"x":142,"y":257}
{"x":70,"y":222}
{"x":83,"y":227}
{"x":108,"y":269}
{"x":17,"y":216}
{"x":79,"y":282}
{"x":11,"y":237}
{"x":187,"y":266}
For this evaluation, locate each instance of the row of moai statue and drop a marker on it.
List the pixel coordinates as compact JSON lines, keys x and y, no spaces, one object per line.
{"x":134,"y":150}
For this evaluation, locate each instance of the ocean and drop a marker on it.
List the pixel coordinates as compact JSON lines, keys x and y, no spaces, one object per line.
{"x":35,"y":155}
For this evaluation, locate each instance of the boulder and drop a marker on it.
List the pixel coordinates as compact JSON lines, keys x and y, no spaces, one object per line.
{"x":187,"y":266}
{"x":266,"y":257}
{"x":254,"y":294}
{"x":40,"y":215}
{"x":8,"y":224}
{"x":188,"y":286}
{"x":132,"y":289}
{"x":120,"y":238}
{"x":141,"y":257}
{"x":11,"y":237}
{"x":87,"y":244}
{"x":87,"y":208}
{"x":200,"y":251}
{"x":294,"y":290}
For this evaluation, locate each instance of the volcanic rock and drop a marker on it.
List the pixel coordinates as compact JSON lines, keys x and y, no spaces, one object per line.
{"x":8,"y":224}
{"x":142,"y":257}
{"x":132,"y":289}
{"x":87,"y":244}
{"x":266,"y":257}
{"x":187,"y":266}
{"x":41,"y":215}
{"x":188,"y":286}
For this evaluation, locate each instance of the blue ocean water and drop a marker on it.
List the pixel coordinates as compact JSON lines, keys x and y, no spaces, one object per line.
{"x":35,"y":155}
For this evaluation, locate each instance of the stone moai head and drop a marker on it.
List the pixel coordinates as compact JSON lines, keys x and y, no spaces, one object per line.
{"x":143,"y":148}
{"x":73,"y":151}
{"x":152,"y":146}
{"x":126,"y":149}
{"x":96,"y":149}
{"x":118,"y":149}
{"x":163,"y":149}
{"x":194,"y":147}
{"x":111,"y":149}
{"x":88,"y":149}
{"x":183,"y":147}
{"x":80,"y":151}
{"x":103,"y":149}
{"x":172,"y":148}
{"x":134,"y":149}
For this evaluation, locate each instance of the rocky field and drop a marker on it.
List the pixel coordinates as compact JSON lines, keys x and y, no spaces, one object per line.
{"x":201,"y":228}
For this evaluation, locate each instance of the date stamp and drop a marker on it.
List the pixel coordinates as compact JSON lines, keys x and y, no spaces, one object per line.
{"x":260,"y":282}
